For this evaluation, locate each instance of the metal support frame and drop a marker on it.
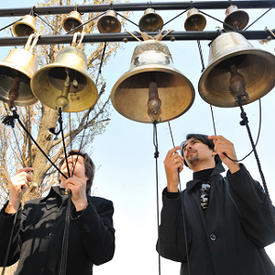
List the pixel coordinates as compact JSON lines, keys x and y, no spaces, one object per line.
{"x":252,"y":4}
{"x":125,"y":37}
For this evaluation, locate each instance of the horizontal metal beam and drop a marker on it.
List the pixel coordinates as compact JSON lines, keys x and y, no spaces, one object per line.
{"x":125,"y":37}
{"x":252,"y":4}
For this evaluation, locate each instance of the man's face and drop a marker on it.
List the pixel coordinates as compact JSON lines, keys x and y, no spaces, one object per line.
{"x":195,"y":151}
{"x":76,"y":165}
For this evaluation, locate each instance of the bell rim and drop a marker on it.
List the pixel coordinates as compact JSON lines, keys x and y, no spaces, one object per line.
{"x":31,"y":101}
{"x":209,"y":68}
{"x":100,"y":28}
{"x":244,"y":14}
{"x":156,"y":68}
{"x":78,"y":20}
{"x":26,"y":23}
{"x":15,"y":68}
{"x":204,"y":22}
{"x":59,"y":65}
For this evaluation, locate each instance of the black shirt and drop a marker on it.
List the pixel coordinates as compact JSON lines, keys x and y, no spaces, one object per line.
{"x":37,"y":241}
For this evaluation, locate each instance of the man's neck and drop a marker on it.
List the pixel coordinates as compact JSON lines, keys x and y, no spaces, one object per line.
{"x":202,"y":166}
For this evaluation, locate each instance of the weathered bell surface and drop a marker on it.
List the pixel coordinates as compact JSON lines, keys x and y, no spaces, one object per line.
{"x":19,"y":66}
{"x":256,"y":67}
{"x":195,"y":21}
{"x":152,"y":84}
{"x":24,"y":27}
{"x":72,"y":21}
{"x":236,"y":18}
{"x":108,"y":23}
{"x":150,"y":21}
{"x":49,"y":82}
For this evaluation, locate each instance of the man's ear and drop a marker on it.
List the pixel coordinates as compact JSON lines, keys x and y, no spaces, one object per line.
{"x":213,"y":153}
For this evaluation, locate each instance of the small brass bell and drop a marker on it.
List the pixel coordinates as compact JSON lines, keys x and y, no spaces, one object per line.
{"x":238,"y":19}
{"x":236,"y":70}
{"x":195,"y":21}
{"x":72,"y":21}
{"x":152,"y":90}
{"x":16,"y":71}
{"x":150,"y":21}
{"x":25,"y":27}
{"x":65,"y":83}
{"x":108,"y":23}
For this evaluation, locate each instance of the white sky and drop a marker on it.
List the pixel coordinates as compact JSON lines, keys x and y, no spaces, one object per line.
{"x":124,"y":154}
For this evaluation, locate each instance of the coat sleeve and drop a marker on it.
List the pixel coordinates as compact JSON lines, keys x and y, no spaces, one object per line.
{"x":97,"y":232}
{"x":6,"y":225}
{"x":171,"y":242}
{"x":256,"y":214}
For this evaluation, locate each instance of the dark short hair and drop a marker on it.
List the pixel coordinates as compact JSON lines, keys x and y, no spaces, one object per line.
{"x":203,"y":139}
{"x":89,"y":168}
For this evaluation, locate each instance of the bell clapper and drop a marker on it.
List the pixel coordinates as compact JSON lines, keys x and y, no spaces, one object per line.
{"x":62,"y":101}
{"x":13,"y":93}
{"x":154,"y":102}
{"x":237,"y":86}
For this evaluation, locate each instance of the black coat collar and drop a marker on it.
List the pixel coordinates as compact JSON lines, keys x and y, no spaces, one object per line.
{"x":216,"y":171}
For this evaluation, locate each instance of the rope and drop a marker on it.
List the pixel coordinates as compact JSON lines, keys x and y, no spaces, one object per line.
{"x":156,"y":155}
{"x":244,"y":122}
{"x":182,"y":209}
{"x":9,"y":120}
{"x":90,"y":109}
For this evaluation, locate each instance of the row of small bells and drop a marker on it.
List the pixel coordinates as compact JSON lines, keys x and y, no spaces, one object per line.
{"x":237,"y":73}
{"x":149,"y":22}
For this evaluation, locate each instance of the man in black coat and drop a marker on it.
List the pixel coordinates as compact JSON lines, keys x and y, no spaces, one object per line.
{"x":39,"y":227}
{"x":216,"y":226}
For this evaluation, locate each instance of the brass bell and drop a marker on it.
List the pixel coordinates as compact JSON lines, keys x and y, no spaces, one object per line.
{"x":25,"y":27}
{"x":152,"y":90}
{"x":65,"y":83}
{"x":195,"y":21}
{"x":236,"y":70}
{"x":150,"y":21}
{"x":238,"y":19}
{"x":16,"y":71}
{"x":72,"y":21}
{"x":108,"y":23}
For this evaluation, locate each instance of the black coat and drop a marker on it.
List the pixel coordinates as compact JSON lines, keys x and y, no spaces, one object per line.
{"x":228,"y":238}
{"x":39,"y":232}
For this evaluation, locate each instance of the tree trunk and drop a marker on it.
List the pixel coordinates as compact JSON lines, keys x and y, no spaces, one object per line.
{"x":45,"y":140}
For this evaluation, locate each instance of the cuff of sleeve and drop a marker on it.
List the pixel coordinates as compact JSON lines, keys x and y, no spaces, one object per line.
{"x":4,"y":214}
{"x":170,"y":195}
{"x":84,"y":217}
{"x":239,"y":173}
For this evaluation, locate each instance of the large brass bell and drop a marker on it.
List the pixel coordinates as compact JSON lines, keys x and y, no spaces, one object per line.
{"x":152,"y":90}
{"x":65,"y":84}
{"x":25,"y":27}
{"x":16,"y":71}
{"x":236,"y":70}
{"x":108,"y":23}
{"x":195,"y":21}
{"x":238,"y":19}
{"x":72,"y":21}
{"x":150,"y":21}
